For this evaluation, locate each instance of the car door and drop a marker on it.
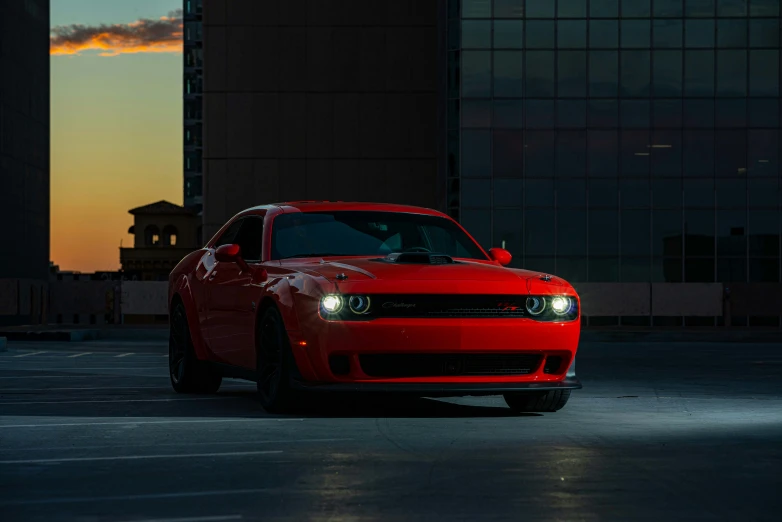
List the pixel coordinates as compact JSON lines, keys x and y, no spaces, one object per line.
{"x":203,"y":271}
{"x":232,"y":298}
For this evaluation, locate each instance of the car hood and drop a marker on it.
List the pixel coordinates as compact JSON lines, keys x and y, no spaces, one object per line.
{"x":366,"y":269}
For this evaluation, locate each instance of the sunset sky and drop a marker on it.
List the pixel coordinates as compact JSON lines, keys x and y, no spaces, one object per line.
{"x":116,"y":123}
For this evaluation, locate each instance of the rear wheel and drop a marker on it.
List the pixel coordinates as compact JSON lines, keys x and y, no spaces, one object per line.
{"x":187,"y":373}
{"x":273,"y":364}
{"x":537,"y":401}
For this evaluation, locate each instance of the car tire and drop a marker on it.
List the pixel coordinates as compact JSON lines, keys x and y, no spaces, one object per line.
{"x":273,"y":364}
{"x":187,"y":373}
{"x":537,"y":402}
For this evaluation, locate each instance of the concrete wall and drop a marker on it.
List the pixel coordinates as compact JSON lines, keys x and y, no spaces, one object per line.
{"x":656,"y":299}
{"x":144,"y":298}
{"x":318,"y":100}
{"x":23,"y":301}
{"x":81,"y":297}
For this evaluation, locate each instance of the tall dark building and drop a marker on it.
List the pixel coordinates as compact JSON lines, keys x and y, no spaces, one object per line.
{"x":328,"y":99}
{"x":619,"y":141}
{"x":192,"y":106}
{"x":607,"y":141}
{"x":24,"y":152}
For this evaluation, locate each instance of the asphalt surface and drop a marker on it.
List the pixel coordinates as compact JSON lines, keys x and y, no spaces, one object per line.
{"x":668,"y":431}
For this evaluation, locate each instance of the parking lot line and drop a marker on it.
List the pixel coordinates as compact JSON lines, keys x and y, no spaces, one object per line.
{"x":78,"y":354}
{"x":216,"y":518}
{"x":12,"y":403}
{"x":179,"y":444}
{"x":28,"y":354}
{"x":143,"y":457}
{"x":234,"y":386}
{"x":80,"y":376}
{"x":124,"y":354}
{"x":149,"y":496}
{"x":125,"y":423}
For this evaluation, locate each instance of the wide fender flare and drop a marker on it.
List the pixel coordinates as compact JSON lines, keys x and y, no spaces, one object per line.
{"x":183,"y":289}
{"x":279,"y":291}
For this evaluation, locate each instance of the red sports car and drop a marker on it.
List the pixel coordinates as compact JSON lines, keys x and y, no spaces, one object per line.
{"x":331,"y":296}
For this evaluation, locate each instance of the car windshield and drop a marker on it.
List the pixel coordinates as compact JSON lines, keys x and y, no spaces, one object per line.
{"x":368,"y":233}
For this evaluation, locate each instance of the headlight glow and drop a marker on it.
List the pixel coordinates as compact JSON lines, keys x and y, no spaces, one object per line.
{"x":560,"y":305}
{"x":331,"y":303}
{"x":359,"y":304}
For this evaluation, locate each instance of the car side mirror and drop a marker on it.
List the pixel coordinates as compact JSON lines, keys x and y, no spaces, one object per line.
{"x":500,"y":255}
{"x":231,"y":254}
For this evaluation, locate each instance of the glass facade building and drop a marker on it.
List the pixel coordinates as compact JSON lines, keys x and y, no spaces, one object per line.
{"x":619,"y":140}
{"x":193,"y":113}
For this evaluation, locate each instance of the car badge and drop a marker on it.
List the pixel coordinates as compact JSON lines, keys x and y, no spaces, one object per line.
{"x":393,"y":304}
{"x":546,"y":277}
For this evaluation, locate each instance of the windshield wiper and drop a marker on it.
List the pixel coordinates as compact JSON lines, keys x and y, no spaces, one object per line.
{"x":323,"y":254}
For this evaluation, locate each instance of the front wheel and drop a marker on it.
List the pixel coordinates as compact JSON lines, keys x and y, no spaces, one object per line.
{"x":273,"y":362}
{"x":187,"y":373}
{"x":537,"y":401}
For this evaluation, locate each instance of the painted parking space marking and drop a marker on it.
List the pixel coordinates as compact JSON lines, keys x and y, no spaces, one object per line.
{"x":184,"y":421}
{"x":216,"y":518}
{"x":149,"y":496}
{"x":26,"y":403}
{"x":28,"y":354}
{"x":142,"y":457}
{"x":178,"y":444}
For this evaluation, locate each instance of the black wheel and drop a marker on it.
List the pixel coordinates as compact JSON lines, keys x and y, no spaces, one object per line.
{"x":537,"y":401}
{"x":273,"y":363}
{"x":188,"y":374}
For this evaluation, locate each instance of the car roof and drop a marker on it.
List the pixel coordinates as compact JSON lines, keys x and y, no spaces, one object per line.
{"x":319,"y":206}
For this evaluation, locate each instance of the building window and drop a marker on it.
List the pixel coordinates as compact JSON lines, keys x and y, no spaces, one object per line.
{"x":194,"y":57}
{"x":193,"y":31}
{"x":151,"y":235}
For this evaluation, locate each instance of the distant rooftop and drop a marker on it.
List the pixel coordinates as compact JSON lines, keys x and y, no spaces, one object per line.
{"x":161,"y":207}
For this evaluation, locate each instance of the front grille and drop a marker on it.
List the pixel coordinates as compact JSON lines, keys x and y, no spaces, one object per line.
{"x":447,"y":364}
{"x":448,"y":306}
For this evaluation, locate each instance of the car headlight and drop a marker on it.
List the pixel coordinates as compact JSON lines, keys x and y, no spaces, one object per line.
{"x":552,"y":307}
{"x":536,"y":305}
{"x":359,"y":304}
{"x":560,"y":305}
{"x":331,"y":303}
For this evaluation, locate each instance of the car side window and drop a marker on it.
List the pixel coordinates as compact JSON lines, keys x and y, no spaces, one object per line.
{"x":250,"y":238}
{"x":230,"y":233}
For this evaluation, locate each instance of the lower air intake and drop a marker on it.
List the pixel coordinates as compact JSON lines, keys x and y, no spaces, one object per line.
{"x":443,"y":365}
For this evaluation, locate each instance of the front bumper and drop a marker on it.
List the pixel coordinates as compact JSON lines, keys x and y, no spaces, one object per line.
{"x":318,"y":340}
{"x":441,"y":389}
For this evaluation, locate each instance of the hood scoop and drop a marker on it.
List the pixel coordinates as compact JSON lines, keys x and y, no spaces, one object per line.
{"x":418,"y":258}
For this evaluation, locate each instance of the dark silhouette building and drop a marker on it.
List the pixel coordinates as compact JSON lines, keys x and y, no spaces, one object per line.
{"x":24,"y":158}
{"x":163,"y":234}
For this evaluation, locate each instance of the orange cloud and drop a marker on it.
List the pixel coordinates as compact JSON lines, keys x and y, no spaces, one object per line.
{"x":142,"y":36}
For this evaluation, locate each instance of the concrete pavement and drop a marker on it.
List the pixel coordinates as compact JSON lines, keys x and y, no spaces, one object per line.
{"x":661,"y":431}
